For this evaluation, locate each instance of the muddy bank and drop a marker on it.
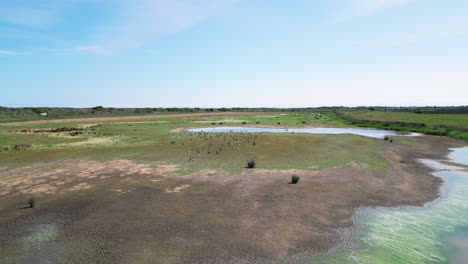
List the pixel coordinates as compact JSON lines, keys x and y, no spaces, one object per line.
{"x":123,"y":212}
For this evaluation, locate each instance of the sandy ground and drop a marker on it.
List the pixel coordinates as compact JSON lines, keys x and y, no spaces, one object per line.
{"x":123,"y":212}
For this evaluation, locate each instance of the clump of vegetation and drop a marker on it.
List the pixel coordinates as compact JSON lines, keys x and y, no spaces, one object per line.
{"x":385,"y":138}
{"x":243,"y":123}
{"x":251,"y":164}
{"x":21,"y":146}
{"x":391,"y":140}
{"x":31,"y":202}
{"x":279,"y":123}
{"x":257,"y":122}
{"x":294,"y":179}
{"x":303,"y":122}
{"x":98,"y":108}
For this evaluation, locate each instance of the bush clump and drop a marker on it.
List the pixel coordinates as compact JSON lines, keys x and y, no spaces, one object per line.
{"x":294,"y":179}
{"x":31,"y":202}
{"x":251,"y":164}
{"x":385,"y":138}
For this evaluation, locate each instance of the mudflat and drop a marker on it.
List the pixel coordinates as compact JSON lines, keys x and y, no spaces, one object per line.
{"x":124,"y":211}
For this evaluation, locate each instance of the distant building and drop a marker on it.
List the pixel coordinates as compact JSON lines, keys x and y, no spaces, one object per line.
{"x":43,"y":114}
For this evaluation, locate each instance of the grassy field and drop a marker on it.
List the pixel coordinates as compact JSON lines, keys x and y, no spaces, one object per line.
{"x":460,"y":120}
{"x":52,"y":113}
{"x":152,"y":140}
{"x":452,"y":125}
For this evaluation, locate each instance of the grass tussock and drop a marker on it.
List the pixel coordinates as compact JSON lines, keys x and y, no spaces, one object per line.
{"x":251,"y":164}
{"x":31,"y":202}
{"x":294,"y":179}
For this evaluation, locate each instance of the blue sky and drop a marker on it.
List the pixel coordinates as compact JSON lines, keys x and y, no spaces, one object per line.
{"x":246,"y":53}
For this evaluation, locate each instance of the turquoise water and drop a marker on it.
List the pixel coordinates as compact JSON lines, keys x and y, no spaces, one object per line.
{"x":460,"y":155}
{"x":375,"y":133}
{"x":437,"y":233}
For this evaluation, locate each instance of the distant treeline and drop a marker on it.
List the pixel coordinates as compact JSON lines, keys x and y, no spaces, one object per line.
{"x":9,"y":114}
{"x":101,"y":109}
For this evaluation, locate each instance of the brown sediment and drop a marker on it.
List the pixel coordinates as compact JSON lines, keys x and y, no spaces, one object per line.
{"x":211,"y":216}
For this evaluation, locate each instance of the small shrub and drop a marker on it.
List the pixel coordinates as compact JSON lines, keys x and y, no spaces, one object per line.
{"x":279,"y":123}
{"x":31,"y":202}
{"x":303,"y":122}
{"x":220,"y":123}
{"x":391,"y":140}
{"x":385,"y":138}
{"x":294,"y":179}
{"x":243,"y":123}
{"x":213,"y":124}
{"x":251,"y":164}
{"x":258,"y":122}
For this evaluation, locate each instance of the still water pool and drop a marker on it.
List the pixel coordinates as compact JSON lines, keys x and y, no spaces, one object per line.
{"x":375,"y":133}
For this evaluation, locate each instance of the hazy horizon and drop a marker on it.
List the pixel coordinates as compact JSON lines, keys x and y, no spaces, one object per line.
{"x":257,"y":107}
{"x":233,"y":53}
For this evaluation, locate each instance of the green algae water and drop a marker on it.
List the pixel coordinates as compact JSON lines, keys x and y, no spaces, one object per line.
{"x":437,"y":233}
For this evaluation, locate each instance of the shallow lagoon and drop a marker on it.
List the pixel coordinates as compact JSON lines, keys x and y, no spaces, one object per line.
{"x":375,"y":133}
{"x":434,"y":234}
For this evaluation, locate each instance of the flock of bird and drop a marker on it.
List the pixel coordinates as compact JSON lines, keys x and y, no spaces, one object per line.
{"x":203,"y":143}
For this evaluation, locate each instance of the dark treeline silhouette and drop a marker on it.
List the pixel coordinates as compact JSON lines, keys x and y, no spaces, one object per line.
{"x":417,"y":109}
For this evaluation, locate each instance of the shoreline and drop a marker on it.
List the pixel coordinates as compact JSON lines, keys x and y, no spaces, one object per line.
{"x":259,"y":201}
{"x":406,"y":225}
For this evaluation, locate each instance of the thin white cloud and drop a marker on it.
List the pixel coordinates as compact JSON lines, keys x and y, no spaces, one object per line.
{"x":128,"y":24}
{"x":364,"y":7}
{"x":449,"y":29}
{"x":29,"y":17}
{"x":10,"y":53}
{"x":359,"y":8}
{"x":37,"y":14}
{"x":94,"y":49}
{"x":90,"y":48}
{"x":146,"y":20}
